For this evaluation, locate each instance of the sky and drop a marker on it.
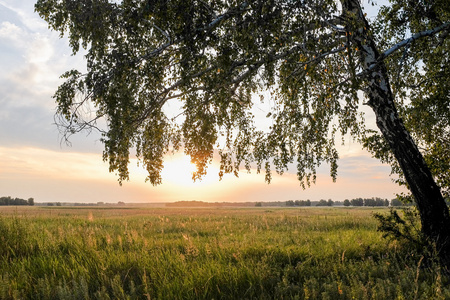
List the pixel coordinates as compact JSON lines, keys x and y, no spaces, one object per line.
{"x":35,"y":163}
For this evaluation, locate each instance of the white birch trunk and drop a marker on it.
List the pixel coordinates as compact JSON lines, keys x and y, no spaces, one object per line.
{"x":433,"y":210}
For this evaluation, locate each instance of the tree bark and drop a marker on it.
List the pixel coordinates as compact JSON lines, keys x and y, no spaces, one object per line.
{"x":434,"y":213}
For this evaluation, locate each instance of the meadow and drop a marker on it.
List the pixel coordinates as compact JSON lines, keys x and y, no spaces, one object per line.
{"x":207,"y":253}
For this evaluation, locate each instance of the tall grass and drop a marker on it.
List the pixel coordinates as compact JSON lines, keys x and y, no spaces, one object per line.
{"x":62,"y":253}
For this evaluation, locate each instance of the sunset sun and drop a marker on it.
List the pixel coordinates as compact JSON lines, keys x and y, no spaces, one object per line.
{"x":178,"y":170}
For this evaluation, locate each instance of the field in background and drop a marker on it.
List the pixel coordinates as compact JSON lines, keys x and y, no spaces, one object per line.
{"x":206,"y":253}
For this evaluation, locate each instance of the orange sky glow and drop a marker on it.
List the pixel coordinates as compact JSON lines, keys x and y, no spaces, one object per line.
{"x":49,"y":175}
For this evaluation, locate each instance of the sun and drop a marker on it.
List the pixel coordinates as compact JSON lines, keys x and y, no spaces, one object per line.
{"x":178,"y":170}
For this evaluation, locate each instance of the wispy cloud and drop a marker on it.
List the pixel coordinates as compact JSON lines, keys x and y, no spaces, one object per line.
{"x":33,"y":58}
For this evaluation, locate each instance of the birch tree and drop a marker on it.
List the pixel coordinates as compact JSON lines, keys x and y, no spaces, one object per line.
{"x":321,"y":60}
{"x":418,"y":71}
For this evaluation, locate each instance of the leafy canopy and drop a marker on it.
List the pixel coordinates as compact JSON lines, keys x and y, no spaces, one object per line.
{"x":419,"y":78}
{"x":215,"y":57}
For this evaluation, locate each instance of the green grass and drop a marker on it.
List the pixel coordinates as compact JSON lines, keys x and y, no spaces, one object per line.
{"x":215,"y":253}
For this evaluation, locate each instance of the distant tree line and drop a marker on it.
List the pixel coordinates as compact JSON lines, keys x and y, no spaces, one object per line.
{"x":298,"y":203}
{"x":323,"y":202}
{"x":16,"y":201}
{"x":374,"y":201}
{"x":120,"y":203}
{"x":308,"y":202}
{"x":398,"y":202}
{"x":370,"y":202}
{"x":196,"y":203}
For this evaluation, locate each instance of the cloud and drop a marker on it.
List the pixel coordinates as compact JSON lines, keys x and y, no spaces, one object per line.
{"x":33,"y":58}
{"x":9,"y":15}
{"x":11,"y":33}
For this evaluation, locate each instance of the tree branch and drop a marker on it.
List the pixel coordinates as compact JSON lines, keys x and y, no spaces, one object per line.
{"x":416,"y":36}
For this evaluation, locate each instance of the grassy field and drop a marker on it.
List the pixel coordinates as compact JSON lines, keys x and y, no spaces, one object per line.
{"x":214,"y":253}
